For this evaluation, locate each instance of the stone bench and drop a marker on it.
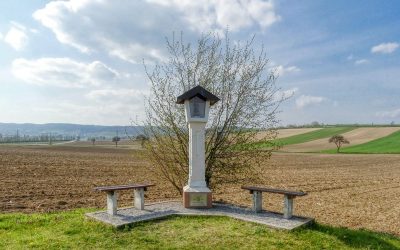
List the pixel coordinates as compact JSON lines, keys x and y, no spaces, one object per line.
{"x":288,"y":198}
{"x":112,"y":195}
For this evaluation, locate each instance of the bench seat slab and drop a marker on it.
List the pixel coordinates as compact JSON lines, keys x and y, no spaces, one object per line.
{"x":274,"y":190}
{"x":123,"y":187}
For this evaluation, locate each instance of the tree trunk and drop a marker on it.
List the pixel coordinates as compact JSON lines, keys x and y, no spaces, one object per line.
{"x":338,"y":147}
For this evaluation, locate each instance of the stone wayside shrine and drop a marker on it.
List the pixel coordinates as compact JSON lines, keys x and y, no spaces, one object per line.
{"x":197,"y":197}
{"x":197,"y":103}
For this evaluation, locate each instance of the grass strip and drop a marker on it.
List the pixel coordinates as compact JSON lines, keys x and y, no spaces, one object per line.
{"x":72,"y":230}
{"x":314,"y":135}
{"x":305,"y":137}
{"x":386,"y":145}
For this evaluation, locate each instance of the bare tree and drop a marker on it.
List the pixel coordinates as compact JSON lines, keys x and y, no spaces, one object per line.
{"x":116,"y":139}
{"x":240,"y":77}
{"x":315,"y":124}
{"x":339,"y":140}
{"x":93,"y":140}
{"x":142,"y":138}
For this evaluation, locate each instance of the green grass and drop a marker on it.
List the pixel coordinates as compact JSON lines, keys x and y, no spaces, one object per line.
{"x":309,"y":136}
{"x":313,"y":135}
{"x":71,"y":230}
{"x":386,"y":145}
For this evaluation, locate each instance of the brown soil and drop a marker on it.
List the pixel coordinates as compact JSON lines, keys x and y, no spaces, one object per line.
{"x":356,"y":136}
{"x":357,"y":191}
{"x":42,"y":178}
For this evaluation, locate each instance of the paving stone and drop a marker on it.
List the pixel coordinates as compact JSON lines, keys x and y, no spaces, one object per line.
{"x":127,"y":216}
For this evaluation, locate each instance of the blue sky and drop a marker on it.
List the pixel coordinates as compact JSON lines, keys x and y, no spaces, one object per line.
{"x":79,"y":61}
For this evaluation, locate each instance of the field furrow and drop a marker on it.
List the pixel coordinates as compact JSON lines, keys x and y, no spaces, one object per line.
{"x":358,"y":191}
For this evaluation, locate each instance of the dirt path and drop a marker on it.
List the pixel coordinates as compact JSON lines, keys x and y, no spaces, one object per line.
{"x":356,"y":136}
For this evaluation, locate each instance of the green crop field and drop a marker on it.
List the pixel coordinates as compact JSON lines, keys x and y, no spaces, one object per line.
{"x":309,"y":136}
{"x":386,"y":145}
{"x":314,"y":135}
{"x":71,"y":230}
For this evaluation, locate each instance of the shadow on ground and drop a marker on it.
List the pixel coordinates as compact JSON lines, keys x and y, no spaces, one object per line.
{"x":356,"y":238}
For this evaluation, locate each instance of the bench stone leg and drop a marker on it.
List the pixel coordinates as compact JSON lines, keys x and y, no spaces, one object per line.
{"x":112,"y":203}
{"x":288,"y":207}
{"x":139,"y":198}
{"x":257,"y":201}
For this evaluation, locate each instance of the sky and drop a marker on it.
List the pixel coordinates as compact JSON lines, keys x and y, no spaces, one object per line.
{"x":80,"y":61}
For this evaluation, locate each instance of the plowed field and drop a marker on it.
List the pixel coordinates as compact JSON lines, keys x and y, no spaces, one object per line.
{"x":357,"y":191}
{"x":356,"y":136}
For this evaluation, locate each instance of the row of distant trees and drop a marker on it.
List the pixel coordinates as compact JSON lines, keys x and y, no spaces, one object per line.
{"x":116,"y":139}
{"x":316,"y":124}
{"x":35,"y":138}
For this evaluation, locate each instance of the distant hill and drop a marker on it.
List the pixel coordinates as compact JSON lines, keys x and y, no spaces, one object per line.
{"x":68,"y":129}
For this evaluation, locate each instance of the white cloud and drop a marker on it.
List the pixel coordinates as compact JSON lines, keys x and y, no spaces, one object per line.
{"x":282,"y":70}
{"x":389,"y":114}
{"x":361,"y":61}
{"x":133,"y":52}
{"x":219,"y":14}
{"x":262,"y":11}
{"x":292,"y":69}
{"x":124,"y":30}
{"x":285,"y":94}
{"x":63,"y":72}
{"x":385,"y":48}
{"x":17,"y":36}
{"x":140,"y":26}
{"x":307,"y":100}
